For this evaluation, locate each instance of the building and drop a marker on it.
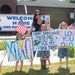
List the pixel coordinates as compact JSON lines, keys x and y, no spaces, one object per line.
{"x":58,"y":10}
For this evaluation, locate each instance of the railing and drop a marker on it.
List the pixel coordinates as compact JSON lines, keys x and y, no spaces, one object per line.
{"x":7,"y":38}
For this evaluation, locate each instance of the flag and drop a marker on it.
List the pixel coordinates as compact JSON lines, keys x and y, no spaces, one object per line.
{"x":21,"y":27}
{"x":72,"y":26}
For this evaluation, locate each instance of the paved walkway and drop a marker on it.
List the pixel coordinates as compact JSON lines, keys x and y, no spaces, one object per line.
{"x":36,"y":60}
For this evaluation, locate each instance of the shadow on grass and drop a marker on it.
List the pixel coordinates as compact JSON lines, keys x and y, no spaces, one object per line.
{"x":61,"y":71}
{"x":16,"y":73}
{"x":64,"y":71}
{"x":38,"y":72}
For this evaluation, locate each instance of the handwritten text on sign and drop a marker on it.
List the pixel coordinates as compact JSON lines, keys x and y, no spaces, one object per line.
{"x":19,"y":50}
{"x":43,"y":41}
{"x":66,"y":38}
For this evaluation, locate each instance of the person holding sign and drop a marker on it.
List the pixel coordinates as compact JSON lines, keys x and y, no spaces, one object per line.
{"x":44,"y":55}
{"x":19,"y":37}
{"x":63,"y":52}
{"x":36,"y":24}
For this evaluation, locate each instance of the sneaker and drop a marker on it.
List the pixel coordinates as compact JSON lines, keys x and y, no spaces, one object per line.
{"x":31,"y":67}
{"x":67,"y":67}
{"x":50,"y":66}
{"x":20,"y":70}
{"x":59,"y":67}
{"x":15,"y":70}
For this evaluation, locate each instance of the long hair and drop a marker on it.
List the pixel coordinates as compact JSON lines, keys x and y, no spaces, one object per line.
{"x":63,"y":23}
{"x":18,"y":35}
{"x":34,"y":18}
{"x":60,"y":26}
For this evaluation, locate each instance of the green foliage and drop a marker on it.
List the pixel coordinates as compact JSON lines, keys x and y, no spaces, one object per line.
{"x":71,"y":1}
{"x":26,"y":0}
{"x":72,"y":52}
{"x":3,"y":45}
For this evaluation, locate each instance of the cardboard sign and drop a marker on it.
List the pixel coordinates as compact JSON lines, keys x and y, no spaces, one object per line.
{"x":19,"y":50}
{"x":43,"y":41}
{"x":65,"y":38}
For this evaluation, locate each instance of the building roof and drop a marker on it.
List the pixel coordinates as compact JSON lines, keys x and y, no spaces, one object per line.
{"x":48,"y":3}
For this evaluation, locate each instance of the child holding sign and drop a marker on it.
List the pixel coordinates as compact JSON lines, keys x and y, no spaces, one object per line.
{"x":36,"y":25}
{"x":19,"y":37}
{"x":44,"y":54}
{"x":63,"y":52}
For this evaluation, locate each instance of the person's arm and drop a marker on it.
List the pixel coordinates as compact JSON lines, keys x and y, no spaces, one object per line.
{"x":48,"y":26}
{"x":31,"y":29}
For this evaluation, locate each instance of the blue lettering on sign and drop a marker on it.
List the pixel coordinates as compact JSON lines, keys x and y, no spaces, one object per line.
{"x":14,"y":22}
{"x":28,"y":26}
{"x":27,"y":23}
{"x":43,"y":17}
{"x":6,"y":26}
{"x":0,"y":28}
{"x":9,"y":18}
{"x":19,"y":18}
{"x":14,"y":26}
{"x":47,"y":18}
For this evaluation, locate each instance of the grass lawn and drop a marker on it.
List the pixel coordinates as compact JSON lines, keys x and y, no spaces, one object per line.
{"x":9,"y":70}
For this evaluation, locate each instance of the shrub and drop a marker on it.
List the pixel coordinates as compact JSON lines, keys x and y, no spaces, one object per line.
{"x":72,"y":52}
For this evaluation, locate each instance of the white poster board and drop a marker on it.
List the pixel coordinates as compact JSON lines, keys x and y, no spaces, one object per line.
{"x":19,"y":50}
{"x":43,"y":41}
{"x":65,"y":38}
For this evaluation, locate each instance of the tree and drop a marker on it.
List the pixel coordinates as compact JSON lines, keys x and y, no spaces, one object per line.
{"x":26,"y":0}
{"x":71,"y":1}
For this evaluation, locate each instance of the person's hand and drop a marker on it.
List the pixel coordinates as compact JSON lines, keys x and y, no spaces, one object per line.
{"x":51,"y":29}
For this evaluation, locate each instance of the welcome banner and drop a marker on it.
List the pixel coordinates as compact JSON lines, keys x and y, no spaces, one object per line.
{"x":19,"y":50}
{"x":9,"y":22}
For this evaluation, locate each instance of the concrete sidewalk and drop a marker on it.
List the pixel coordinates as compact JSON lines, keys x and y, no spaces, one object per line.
{"x":53,"y":58}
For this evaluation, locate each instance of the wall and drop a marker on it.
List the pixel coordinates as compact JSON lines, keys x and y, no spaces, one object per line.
{"x":11,"y":3}
{"x":57,"y":15}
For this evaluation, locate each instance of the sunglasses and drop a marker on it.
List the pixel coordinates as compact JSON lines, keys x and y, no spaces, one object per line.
{"x":38,"y":14}
{"x":63,"y":25}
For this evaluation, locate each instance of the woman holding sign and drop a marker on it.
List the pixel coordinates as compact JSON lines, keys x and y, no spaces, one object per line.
{"x":63,"y":52}
{"x":36,"y":24}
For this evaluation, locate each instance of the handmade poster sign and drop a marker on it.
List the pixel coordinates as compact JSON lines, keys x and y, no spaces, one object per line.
{"x":43,"y":41}
{"x":19,"y":50}
{"x":65,"y":38}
